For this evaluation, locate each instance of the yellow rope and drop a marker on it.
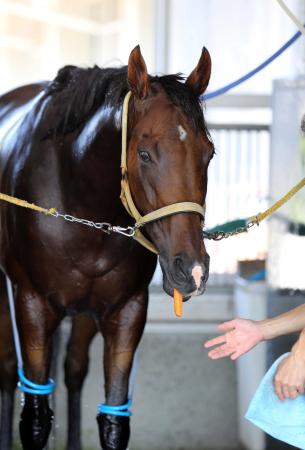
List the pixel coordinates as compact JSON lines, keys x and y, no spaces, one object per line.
{"x":255,"y":219}
{"x":25,"y":204}
{"x":278,"y":204}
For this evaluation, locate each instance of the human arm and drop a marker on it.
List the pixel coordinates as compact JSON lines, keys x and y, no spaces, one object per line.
{"x":289,"y":322}
{"x":240,"y":335}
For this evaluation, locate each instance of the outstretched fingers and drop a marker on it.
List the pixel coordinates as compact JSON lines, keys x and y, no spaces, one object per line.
{"x":221,"y":352}
{"x":226,"y":326}
{"x":230,"y":325}
{"x":215,"y":341}
{"x":236,"y":355}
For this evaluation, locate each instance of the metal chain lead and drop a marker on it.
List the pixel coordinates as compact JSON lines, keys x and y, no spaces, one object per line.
{"x":219,"y":235}
{"x":103,"y":226}
{"x":129,"y":231}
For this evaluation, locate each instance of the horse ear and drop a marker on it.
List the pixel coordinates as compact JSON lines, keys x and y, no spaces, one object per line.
{"x":138,"y":78}
{"x":198,"y":80}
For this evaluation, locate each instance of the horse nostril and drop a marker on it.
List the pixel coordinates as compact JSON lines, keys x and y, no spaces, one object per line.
{"x":179,"y":270}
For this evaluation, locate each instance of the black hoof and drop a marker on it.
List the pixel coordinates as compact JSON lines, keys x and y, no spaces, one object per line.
{"x":35,"y":423}
{"x":114,"y":431}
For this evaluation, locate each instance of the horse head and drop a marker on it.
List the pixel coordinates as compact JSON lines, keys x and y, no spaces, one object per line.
{"x":168,"y":154}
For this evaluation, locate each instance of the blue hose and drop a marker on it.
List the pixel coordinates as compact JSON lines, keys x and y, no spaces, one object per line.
{"x":29,"y":387}
{"x":122,"y":410}
{"x":253,"y":72}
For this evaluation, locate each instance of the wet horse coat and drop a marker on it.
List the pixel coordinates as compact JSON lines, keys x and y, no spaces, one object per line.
{"x":65,"y":152}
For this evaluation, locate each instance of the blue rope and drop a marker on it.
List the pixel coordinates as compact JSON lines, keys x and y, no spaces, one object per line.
{"x":250,"y":74}
{"x":122,"y":410}
{"x":29,"y":387}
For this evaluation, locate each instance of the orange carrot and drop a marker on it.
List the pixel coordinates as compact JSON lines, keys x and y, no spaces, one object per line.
{"x":178,"y":303}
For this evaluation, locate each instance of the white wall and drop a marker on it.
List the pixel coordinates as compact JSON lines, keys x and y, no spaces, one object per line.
{"x":38,"y":37}
{"x":239,"y":35}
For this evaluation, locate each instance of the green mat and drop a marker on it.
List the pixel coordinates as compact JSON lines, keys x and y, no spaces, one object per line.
{"x":228,"y":226}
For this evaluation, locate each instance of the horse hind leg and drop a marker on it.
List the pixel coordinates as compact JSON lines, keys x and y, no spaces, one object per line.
{"x":83,"y":331}
{"x":122,"y":332}
{"x":36,"y":324}
{"x":6,"y":424}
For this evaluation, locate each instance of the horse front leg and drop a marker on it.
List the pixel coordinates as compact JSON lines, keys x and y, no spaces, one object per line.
{"x":122,"y":332}
{"x":76,"y":368}
{"x":36,"y":324}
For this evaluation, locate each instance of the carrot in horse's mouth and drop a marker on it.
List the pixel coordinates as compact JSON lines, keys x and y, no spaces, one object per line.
{"x":178,"y":303}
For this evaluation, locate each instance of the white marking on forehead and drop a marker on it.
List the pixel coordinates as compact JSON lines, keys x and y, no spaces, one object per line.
{"x":182,"y":133}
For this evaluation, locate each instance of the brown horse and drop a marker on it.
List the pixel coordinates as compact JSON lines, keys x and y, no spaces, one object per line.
{"x":64,"y":151}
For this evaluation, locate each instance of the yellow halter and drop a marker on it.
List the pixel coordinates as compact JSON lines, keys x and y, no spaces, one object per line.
{"x":126,"y":198}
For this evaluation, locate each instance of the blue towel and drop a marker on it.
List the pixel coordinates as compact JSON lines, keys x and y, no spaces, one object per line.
{"x":284,"y":420}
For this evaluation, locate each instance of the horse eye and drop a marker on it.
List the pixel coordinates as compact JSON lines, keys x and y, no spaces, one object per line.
{"x":145,"y":156}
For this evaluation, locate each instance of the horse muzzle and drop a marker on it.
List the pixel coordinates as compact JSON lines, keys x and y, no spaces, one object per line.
{"x":187,"y":276}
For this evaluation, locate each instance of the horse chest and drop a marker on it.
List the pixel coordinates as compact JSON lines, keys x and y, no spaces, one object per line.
{"x":90,"y":277}
{"x":77,"y":292}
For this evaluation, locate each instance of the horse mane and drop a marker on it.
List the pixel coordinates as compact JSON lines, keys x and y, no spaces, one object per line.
{"x":83,"y":90}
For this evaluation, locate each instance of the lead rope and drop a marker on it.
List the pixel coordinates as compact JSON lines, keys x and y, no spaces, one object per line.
{"x":244,"y":224}
{"x":24,"y":383}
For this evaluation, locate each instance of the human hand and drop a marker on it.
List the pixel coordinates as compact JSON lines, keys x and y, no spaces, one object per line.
{"x":289,"y":380}
{"x":241,"y":336}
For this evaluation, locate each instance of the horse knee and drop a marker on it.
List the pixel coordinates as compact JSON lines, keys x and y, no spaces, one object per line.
{"x":35,"y":422}
{"x":114,"y":431}
{"x":76,"y":370}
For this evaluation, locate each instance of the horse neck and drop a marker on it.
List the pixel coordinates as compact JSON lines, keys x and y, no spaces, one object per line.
{"x":94,"y":165}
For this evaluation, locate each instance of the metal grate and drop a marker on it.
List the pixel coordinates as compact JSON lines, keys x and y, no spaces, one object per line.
{"x":238,"y":187}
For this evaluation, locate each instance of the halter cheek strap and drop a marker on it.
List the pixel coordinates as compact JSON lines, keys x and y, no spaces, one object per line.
{"x":127,"y":200}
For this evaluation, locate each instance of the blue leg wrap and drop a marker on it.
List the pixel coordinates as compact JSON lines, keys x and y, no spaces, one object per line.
{"x":29,"y":387}
{"x":121,"y":410}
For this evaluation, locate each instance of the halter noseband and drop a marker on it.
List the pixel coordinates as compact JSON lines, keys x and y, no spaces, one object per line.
{"x":126,"y":198}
